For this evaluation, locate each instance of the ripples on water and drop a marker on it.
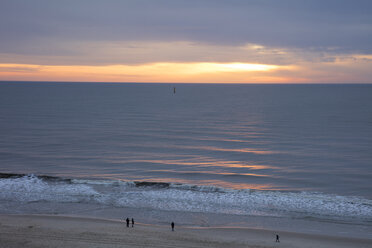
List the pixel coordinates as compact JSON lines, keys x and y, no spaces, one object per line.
{"x":276,"y":137}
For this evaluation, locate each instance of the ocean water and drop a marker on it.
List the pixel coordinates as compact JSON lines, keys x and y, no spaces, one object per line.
{"x":206,"y":155}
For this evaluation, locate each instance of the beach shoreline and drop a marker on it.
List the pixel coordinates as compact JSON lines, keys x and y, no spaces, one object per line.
{"x":55,"y":230}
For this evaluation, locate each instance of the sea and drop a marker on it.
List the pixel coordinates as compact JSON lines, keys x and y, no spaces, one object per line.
{"x":277,"y":157}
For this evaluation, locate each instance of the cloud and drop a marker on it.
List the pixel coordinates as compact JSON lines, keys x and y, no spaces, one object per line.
{"x":17,"y":68}
{"x":342,"y":24}
{"x":142,"y":52}
{"x":310,"y":37}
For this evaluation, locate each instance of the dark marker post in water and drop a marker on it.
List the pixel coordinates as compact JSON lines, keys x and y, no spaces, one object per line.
{"x":172,"y":225}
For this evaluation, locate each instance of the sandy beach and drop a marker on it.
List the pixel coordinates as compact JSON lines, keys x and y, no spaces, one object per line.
{"x":62,"y":231}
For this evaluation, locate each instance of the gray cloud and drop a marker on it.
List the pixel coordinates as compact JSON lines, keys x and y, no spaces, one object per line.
{"x":52,"y":27}
{"x":140,"y":52}
{"x":17,"y":69}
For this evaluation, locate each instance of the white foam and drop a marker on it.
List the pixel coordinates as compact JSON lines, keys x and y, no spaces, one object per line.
{"x":253,"y":203}
{"x":190,"y":198}
{"x":31,"y":188}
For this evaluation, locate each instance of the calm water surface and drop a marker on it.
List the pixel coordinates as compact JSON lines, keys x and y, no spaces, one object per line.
{"x":312,"y":138}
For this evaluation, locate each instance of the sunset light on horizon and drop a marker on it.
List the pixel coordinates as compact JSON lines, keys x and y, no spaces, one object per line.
{"x":179,"y":41}
{"x":154,"y":72}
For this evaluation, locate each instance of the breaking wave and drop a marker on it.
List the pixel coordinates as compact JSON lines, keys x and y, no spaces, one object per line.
{"x":182,"y":197}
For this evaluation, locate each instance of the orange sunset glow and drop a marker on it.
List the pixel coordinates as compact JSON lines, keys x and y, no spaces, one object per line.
{"x":354,"y":68}
{"x":155,"y":72}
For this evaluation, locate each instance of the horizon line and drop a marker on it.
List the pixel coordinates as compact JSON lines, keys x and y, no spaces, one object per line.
{"x":233,"y":83}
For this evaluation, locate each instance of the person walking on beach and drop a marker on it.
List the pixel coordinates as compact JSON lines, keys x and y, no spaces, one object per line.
{"x":127,"y":222}
{"x":277,"y":238}
{"x":132,"y":222}
{"x":172,"y":225}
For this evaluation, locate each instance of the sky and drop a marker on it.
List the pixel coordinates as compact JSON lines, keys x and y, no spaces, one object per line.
{"x":196,"y":41}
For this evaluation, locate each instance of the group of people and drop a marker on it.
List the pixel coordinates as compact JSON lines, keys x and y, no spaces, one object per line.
{"x":128,"y":222}
{"x":172,"y":226}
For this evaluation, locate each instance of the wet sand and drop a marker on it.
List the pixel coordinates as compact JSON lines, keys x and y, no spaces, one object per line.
{"x":18,"y":231}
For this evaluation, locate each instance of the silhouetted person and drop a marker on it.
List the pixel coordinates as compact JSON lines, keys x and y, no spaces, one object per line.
{"x":132,"y":222}
{"x":277,"y":238}
{"x":172,"y":225}
{"x":127,"y":222}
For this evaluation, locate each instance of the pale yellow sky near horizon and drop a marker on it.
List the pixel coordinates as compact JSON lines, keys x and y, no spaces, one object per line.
{"x":154,"y":72}
{"x":191,"y":63}
{"x":190,"y":73}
